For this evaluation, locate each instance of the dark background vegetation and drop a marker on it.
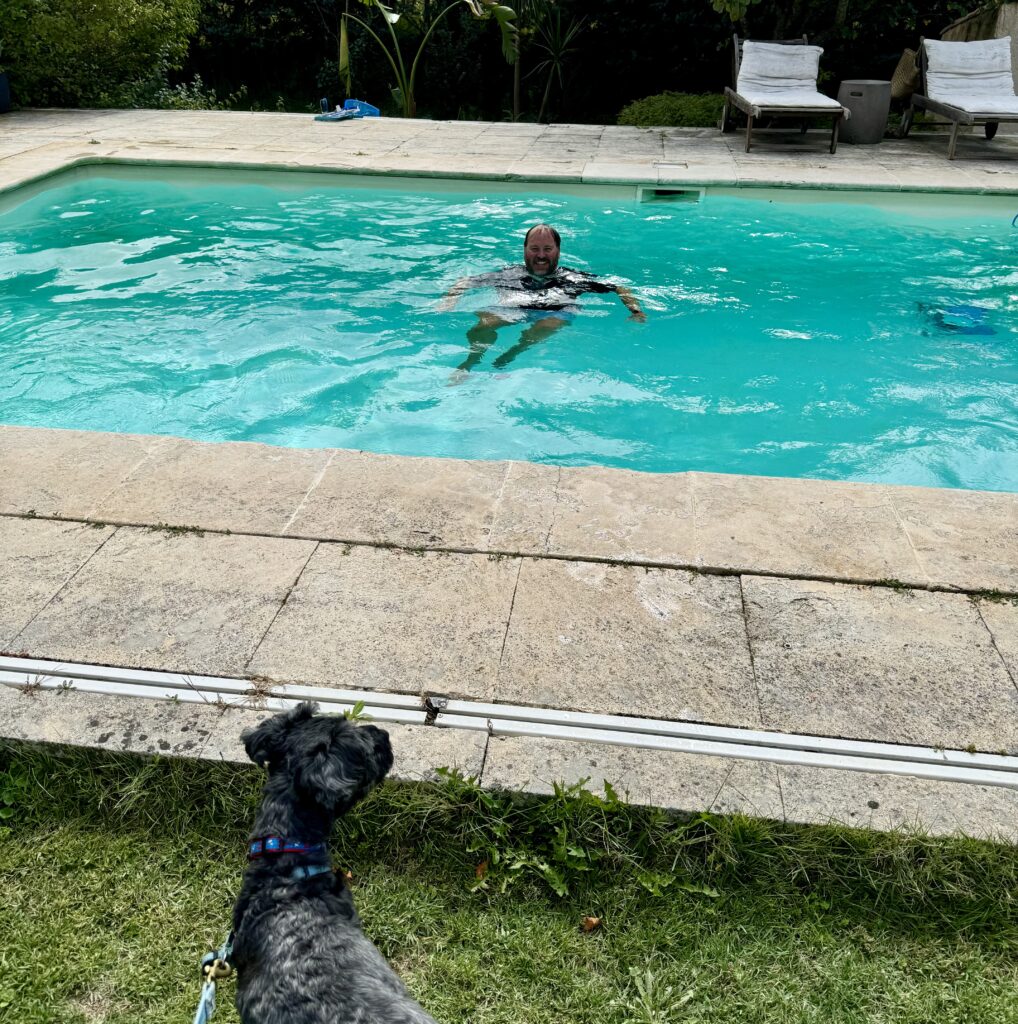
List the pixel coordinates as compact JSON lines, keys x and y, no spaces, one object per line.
{"x":263,"y":54}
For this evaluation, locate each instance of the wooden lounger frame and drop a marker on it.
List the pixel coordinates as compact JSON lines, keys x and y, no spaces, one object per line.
{"x":956,"y":116}
{"x":753,"y":111}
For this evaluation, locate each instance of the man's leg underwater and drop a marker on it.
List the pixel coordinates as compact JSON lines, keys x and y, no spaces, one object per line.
{"x":537,"y":331}
{"x":480,"y":338}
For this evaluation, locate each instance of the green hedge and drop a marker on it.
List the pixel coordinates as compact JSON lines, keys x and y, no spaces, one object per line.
{"x":94,"y":53}
{"x":674,"y":109}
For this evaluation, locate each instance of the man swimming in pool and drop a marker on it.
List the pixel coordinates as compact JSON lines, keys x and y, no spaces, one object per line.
{"x":540,"y":293}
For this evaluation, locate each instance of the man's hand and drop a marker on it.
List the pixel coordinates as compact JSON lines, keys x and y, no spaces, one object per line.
{"x":631,"y":303}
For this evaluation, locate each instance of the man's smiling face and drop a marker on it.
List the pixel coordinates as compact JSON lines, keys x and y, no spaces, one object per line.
{"x":540,"y":252}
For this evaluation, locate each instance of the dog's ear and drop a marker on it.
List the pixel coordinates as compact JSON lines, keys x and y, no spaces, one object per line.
{"x":345,"y":765}
{"x":267,"y":742}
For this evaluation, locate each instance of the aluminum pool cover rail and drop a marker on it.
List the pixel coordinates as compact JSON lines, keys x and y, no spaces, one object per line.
{"x":940,"y":764}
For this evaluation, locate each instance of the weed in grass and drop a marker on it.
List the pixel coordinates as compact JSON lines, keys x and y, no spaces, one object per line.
{"x":13,"y":786}
{"x":651,"y":1001}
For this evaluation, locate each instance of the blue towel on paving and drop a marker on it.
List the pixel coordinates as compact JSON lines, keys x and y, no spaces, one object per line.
{"x":339,"y":115}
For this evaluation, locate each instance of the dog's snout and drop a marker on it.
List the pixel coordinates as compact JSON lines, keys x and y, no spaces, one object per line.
{"x":377,"y":735}
{"x":382,"y":746}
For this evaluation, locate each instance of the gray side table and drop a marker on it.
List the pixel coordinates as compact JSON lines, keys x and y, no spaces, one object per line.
{"x":869,"y":102}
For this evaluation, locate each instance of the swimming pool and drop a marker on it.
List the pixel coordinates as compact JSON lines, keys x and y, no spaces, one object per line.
{"x":810,"y":334}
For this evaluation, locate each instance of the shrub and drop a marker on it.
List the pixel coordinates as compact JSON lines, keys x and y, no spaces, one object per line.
{"x":193,"y":95}
{"x":94,"y":52}
{"x":674,"y":109}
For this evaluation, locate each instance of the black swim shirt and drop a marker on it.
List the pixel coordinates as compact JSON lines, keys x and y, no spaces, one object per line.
{"x":516,"y":286}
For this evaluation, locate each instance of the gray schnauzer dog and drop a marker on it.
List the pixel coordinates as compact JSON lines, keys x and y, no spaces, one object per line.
{"x":298,"y":948}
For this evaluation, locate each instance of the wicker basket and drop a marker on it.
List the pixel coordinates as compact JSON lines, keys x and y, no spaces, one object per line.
{"x":905,"y":79}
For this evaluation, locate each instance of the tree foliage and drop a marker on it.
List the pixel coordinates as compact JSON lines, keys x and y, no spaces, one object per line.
{"x":93,"y":52}
{"x":406,"y":78}
{"x":287,"y":53}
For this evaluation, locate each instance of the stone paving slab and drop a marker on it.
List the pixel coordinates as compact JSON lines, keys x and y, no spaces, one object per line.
{"x":39,"y":557}
{"x":183,"y":603}
{"x":1001,"y":619}
{"x":398,"y":621}
{"x":875,"y":663}
{"x":626,"y":640}
{"x":821,"y":796}
{"x":967,"y":539}
{"x":801,"y":527}
{"x":208,"y":732}
{"x":388,"y":499}
{"x":577,"y":512}
{"x":681,"y":782}
{"x":117,"y":724}
{"x":245,"y":488}
{"x":66,"y":472}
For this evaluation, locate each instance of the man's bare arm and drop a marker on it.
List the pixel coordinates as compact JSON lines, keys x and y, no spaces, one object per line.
{"x":630,"y":301}
{"x":451,"y":297}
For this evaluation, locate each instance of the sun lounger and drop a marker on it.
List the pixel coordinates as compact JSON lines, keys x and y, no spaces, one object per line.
{"x":968,"y":83}
{"x":778,"y":79}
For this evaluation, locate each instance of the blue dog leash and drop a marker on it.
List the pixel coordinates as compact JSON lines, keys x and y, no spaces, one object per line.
{"x":219,"y":963}
{"x":214,"y":966}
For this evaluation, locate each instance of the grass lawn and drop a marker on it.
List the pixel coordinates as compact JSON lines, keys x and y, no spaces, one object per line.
{"x":117,"y":874}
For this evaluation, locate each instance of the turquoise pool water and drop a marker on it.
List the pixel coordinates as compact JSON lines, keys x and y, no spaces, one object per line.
{"x":820,"y":337}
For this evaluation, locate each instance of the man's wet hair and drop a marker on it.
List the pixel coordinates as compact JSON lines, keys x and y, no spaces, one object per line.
{"x":545,"y":227}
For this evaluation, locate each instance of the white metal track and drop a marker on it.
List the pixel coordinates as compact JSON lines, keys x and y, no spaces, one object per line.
{"x":932,"y":763}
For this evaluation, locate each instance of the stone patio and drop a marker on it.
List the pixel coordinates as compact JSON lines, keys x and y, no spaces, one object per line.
{"x":849,"y":610}
{"x":37,"y":142}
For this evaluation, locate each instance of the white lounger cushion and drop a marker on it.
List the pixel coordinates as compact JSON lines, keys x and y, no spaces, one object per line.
{"x":781,"y":75}
{"x":974,"y":76}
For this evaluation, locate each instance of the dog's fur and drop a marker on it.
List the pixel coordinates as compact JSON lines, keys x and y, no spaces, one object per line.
{"x":299,"y":952}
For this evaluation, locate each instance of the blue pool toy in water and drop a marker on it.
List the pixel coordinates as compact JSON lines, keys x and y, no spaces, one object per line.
{"x":960,"y":318}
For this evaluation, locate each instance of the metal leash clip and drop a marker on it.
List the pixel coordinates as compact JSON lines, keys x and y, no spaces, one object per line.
{"x":214,"y":965}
